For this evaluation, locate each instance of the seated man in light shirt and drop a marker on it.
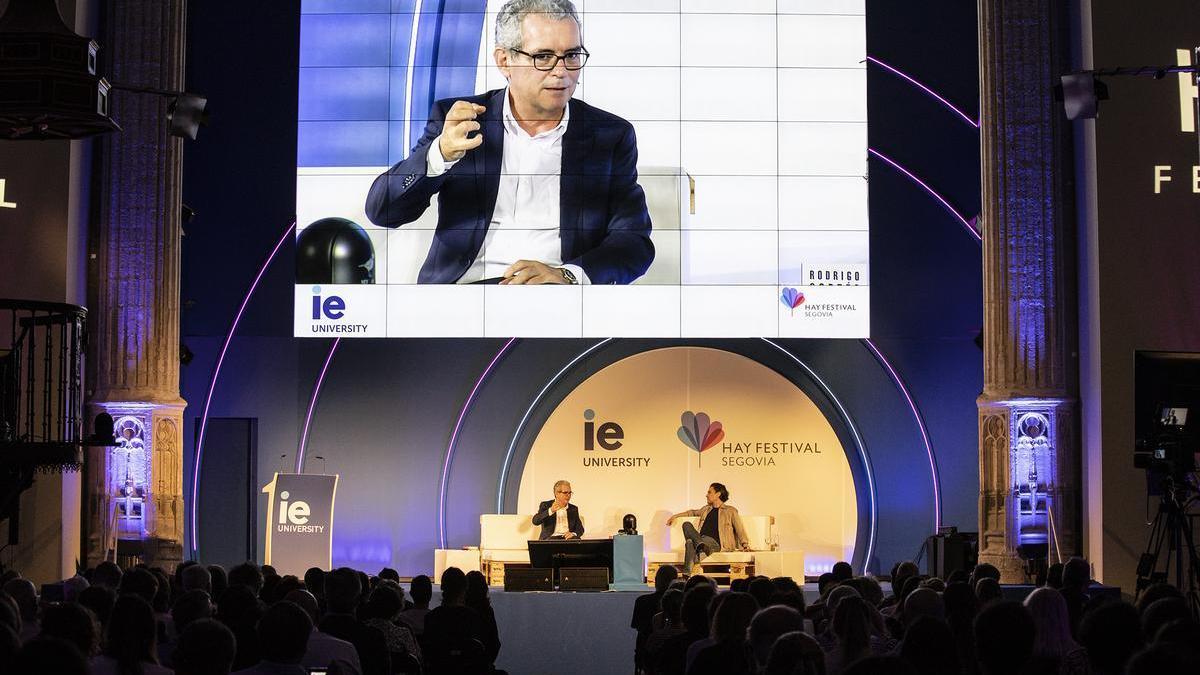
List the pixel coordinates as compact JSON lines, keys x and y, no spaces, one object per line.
{"x":558,"y":517}
{"x":534,"y":187}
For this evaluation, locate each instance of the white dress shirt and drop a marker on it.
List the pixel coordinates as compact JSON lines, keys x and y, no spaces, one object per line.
{"x":561,"y":527}
{"x":525,"y":223}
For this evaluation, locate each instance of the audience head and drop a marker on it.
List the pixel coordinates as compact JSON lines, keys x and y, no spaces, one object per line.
{"x":131,"y":633}
{"x":852,"y":626}
{"x":960,"y":601}
{"x":1155,"y":593}
{"x":984,"y":571}
{"x":927,"y":647}
{"x":842,"y":571}
{"x":825,"y":583}
{"x":454,"y":586}
{"x":24,"y":594}
{"x":314,"y":581}
{"x":1004,"y":635}
{"x":957,"y":577}
{"x":49,"y":655}
{"x":140,"y":582}
{"x":205,"y":647}
{"x":741,"y":585}
{"x":934,"y":584}
{"x":923,"y":602}
{"x":663,"y":577}
{"x":477,"y":590}
{"x":1162,"y":612}
{"x":987,"y":590}
{"x":75,"y":624}
{"x":195,"y":577}
{"x":162,"y":596}
{"x":766,"y":627}
{"x":191,"y":606}
{"x":733,"y":617}
{"x":836,"y":596}
{"x":1164,"y":659}
{"x":385,"y":602}
{"x":238,"y":608}
{"x":283,"y":633}
{"x":342,"y":588}
{"x":1076,"y":575}
{"x":1054,"y":576}
{"x":1051,"y":622}
{"x":305,"y":601}
{"x":868,"y":588}
{"x":73,"y":587}
{"x":697,"y":580}
{"x":421,"y":590}
{"x":1111,"y":633}
{"x":220,"y":580}
{"x":107,"y":574}
{"x":389,"y":574}
{"x":99,"y":599}
{"x":670,"y":604}
{"x":694,"y":611}
{"x":1182,"y":632}
{"x":796,"y":653}
{"x":249,"y":575}
{"x":761,"y":589}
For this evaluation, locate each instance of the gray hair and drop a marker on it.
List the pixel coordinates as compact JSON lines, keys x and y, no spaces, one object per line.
{"x":513,"y":13}
{"x":560,"y":484}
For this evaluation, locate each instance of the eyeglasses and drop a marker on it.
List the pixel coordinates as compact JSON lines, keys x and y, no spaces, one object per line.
{"x":572,"y":60}
{"x":565,"y":492}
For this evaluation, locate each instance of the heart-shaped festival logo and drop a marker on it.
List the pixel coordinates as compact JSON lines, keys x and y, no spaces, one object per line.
{"x":791,"y":298}
{"x":699,"y":433}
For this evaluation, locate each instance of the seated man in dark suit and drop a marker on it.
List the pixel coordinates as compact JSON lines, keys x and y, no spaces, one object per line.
{"x":558,"y":517}
{"x":552,"y":195}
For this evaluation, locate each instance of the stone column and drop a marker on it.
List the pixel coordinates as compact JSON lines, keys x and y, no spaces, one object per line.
{"x":135,"y":250}
{"x":1028,"y":443}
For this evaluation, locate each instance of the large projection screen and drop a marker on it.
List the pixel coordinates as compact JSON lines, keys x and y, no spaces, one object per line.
{"x":750,"y":127}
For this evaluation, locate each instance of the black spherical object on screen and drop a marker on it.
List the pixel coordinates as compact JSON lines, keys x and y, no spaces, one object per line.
{"x":629,"y":524}
{"x":334,"y":251}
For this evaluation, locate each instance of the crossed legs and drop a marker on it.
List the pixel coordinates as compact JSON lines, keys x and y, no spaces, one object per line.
{"x":695,"y":544}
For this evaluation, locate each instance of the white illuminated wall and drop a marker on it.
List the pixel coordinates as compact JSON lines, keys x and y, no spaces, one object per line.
{"x":760,"y":105}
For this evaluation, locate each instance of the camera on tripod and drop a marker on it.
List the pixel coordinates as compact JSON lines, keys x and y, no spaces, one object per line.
{"x":1171,"y":449}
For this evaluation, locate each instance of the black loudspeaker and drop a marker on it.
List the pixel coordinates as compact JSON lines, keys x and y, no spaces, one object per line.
{"x":520,"y":579}
{"x":583,"y":579}
{"x":334,"y":251}
{"x":949,"y":553}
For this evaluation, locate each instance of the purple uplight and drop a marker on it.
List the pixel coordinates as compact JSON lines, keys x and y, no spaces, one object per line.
{"x":912,"y":404}
{"x":454,"y":440}
{"x":312,"y":405}
{"x":942,"y":200}
{"x":913,"y":81}
{"x":212,"y":385}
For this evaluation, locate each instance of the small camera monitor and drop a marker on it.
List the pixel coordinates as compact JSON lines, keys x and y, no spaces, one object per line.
{"x":1173,"y":417}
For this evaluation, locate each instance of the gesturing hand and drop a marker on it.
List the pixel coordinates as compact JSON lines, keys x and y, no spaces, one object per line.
{"x":460,"y":121}
{"x":532,"y":272}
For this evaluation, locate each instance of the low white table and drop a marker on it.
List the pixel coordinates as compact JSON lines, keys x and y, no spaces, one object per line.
{"x":464,"y":559}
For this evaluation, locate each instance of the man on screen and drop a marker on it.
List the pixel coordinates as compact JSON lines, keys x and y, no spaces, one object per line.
{"x":558,"y":517}
{"x":534,"y":187}
{"x":721,"y":528}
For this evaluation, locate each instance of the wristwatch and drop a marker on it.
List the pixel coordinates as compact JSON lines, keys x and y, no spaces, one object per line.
{"x":568,"y":275}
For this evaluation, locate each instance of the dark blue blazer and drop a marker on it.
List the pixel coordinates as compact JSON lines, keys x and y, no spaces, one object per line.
{"x":604,"y":224}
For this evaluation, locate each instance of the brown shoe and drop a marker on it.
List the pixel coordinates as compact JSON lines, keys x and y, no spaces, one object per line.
{"x":696,"y":569}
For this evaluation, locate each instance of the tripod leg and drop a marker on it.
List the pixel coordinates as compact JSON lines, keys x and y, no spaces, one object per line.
{"x":1193,"y":587}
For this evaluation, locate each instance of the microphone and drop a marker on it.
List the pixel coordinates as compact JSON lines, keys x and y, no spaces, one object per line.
{"x":282,"y":468}
{"x":322,"y":463}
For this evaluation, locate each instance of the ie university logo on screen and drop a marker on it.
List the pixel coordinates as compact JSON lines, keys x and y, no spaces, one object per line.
{"x":330,"y":313}
{"x":293,"y":516}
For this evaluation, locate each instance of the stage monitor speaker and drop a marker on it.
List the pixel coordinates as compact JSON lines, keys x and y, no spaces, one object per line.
{"x":520,"y":579}
{"x":949,"y":553}
{"x":583,"y":579}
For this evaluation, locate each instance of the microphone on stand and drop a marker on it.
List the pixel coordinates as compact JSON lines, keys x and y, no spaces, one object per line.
{"x":282,"y":467}
{"x":323,"y":471}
